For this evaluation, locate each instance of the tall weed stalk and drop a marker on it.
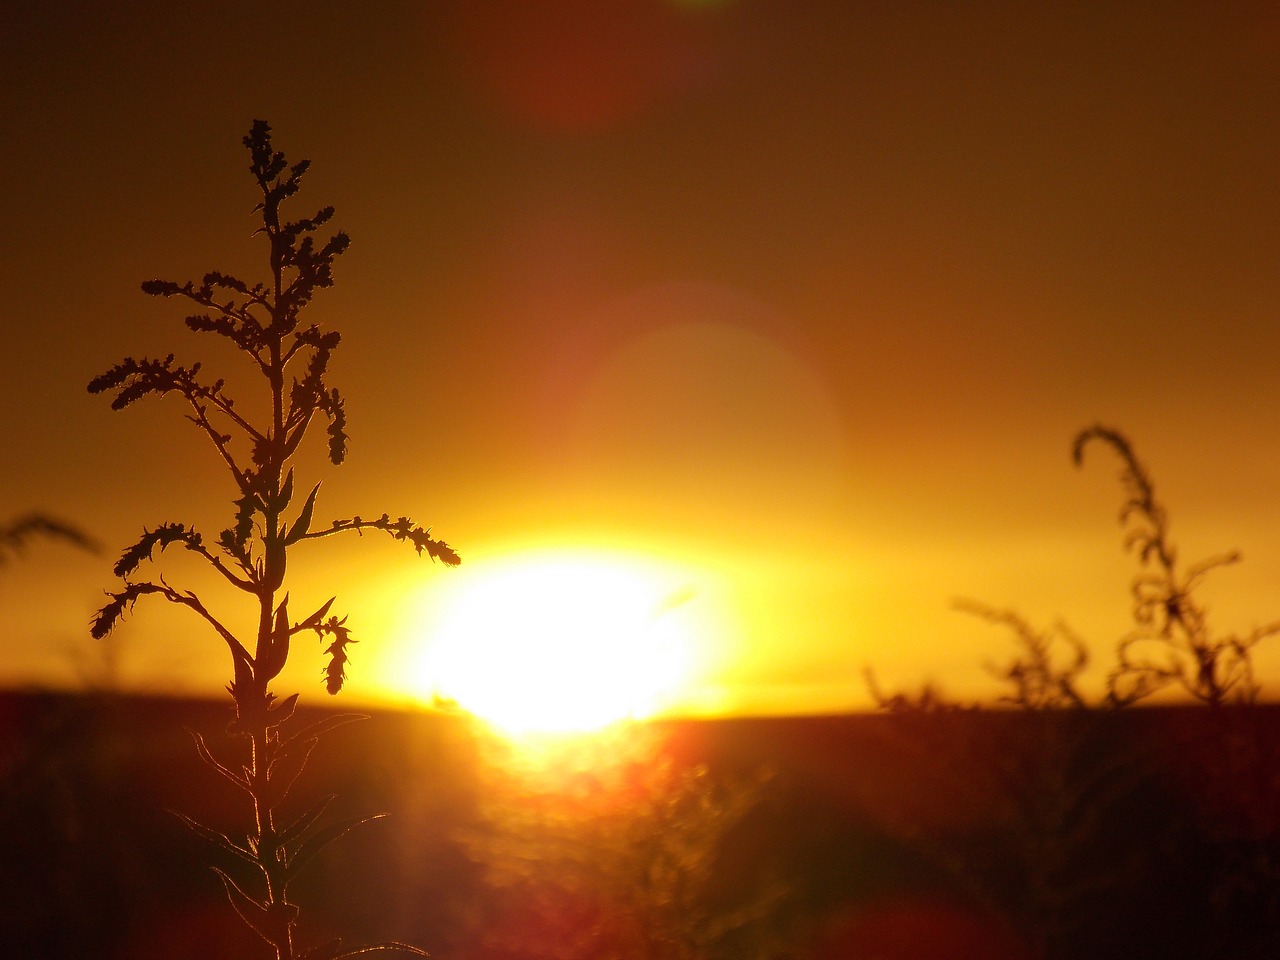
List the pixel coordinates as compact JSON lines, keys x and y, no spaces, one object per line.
{"x":1173,"y":642}
{"x":1064,"y":782}
{"x":262,"y":321}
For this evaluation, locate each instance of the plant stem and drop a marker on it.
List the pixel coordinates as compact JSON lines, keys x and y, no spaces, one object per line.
{"x":280,"y":914}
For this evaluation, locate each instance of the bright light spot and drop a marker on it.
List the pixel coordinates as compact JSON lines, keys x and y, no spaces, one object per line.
{"x":557,"y":642}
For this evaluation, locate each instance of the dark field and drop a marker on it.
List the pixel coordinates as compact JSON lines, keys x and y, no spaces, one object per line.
{"x":1142,"y":833}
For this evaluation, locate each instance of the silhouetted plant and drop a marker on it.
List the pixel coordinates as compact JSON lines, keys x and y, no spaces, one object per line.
{"x":930,"y":698}
{"x":17,"y":534}
{"x":1057,"y":783}
{"x":263,"y":322}
{"x":1172,"y":642}
{"x":1045,"y":784}
{"x":1039,"y":679}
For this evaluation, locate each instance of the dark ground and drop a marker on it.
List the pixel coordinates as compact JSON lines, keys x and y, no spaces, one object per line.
{"x":1142,"y":833}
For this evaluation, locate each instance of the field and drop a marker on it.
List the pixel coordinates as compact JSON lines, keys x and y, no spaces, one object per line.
{"x":1148,"y":832}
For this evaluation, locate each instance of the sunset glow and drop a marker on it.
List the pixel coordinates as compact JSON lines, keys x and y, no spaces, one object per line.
{"x":813,"y":298}
{"x":560,"y":641}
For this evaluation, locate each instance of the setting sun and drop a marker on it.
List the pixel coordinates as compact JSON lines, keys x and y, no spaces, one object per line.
{"x":558,"y":642}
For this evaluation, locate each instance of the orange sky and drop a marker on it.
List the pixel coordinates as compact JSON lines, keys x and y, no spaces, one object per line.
{"x":808,"y":297}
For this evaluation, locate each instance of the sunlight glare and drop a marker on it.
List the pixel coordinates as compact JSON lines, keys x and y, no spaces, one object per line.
{"x":561,"y":642}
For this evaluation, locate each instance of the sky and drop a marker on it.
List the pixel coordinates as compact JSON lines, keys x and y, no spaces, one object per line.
{"x":801,"y":302}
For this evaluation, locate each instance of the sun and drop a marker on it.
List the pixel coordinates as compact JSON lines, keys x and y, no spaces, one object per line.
{"x":557,"y":642}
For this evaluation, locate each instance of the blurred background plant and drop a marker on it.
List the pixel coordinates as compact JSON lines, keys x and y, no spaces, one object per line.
{"x":16,"y":535}
{"x":1069,"y":805}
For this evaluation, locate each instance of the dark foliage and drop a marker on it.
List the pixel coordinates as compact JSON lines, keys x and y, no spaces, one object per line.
{"x":1065,"y":782}
{"x":262,"y":322}
{"x":17,"y":534}
{"x":1173,"y":641}
{"x":94,"y":868}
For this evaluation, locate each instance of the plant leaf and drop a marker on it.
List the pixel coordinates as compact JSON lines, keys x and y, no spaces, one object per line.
{"x":321,"y":839}
{"x":207,"y":756}
{"x":299,"y":527}
{"x":387,"y":946}
{"x":284,"y":770}
{"x":286,"y":491}
{"x":305,"y":820}
{"x":313,"y":622}
{"x":218,"y":839}
{"x":313,"y":731}
{"x":253,"y":913}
